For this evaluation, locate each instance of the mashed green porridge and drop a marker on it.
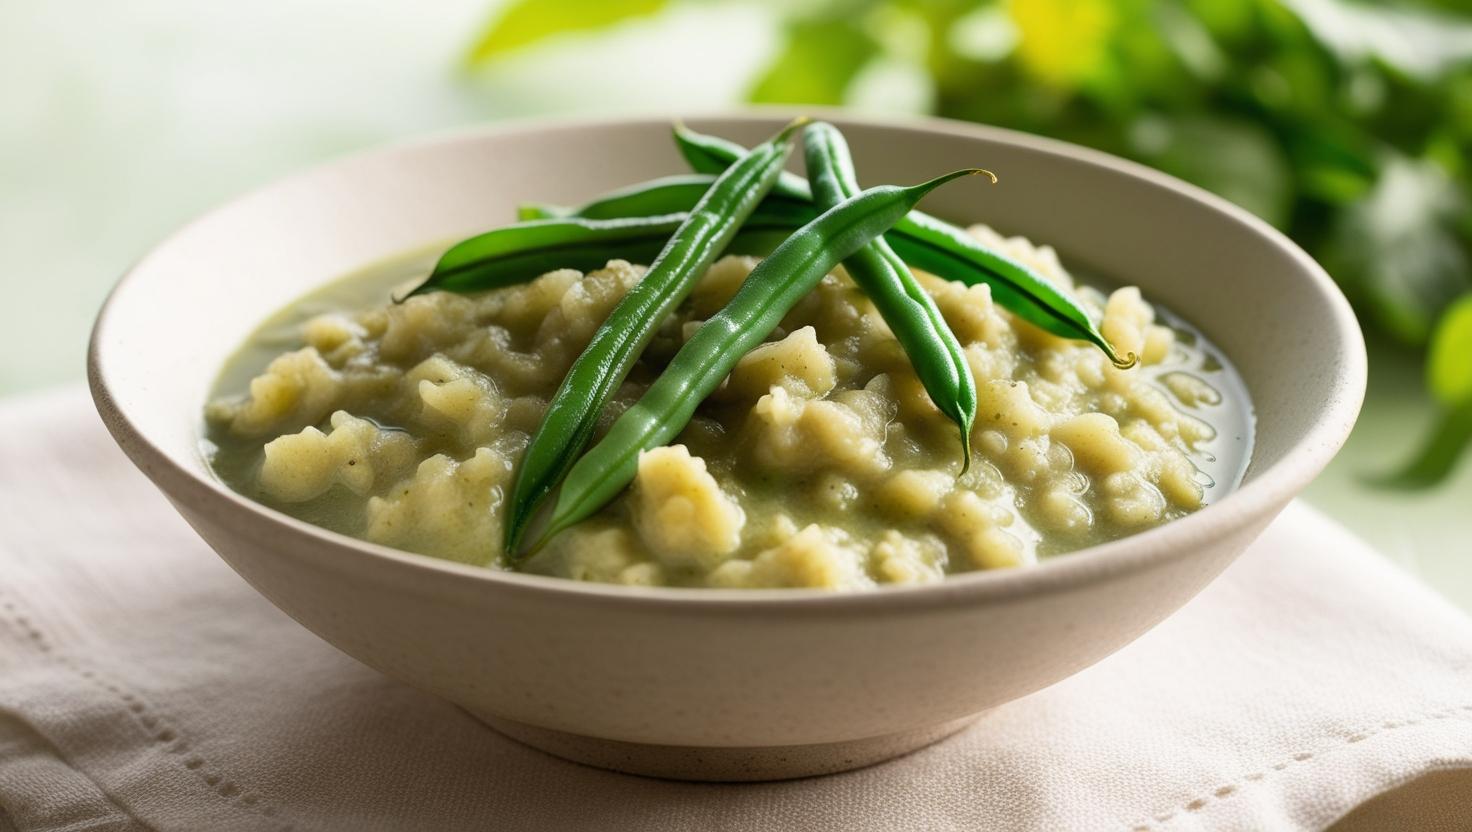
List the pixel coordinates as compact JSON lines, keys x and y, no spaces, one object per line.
{"x":821,"y":462}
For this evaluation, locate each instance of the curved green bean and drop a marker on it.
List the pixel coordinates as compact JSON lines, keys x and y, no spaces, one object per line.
{"x":939,"y":247}
{"x":907,"y":308}
{"x":765,"y":297}
{"x":707,"y":230}
{"x":710,"y":155}
{"x":517,"y":253}
{"x":639,"y":200}
{"x":667,"y":194}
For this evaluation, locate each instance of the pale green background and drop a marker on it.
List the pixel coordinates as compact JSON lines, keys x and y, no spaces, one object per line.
{"x":118,"y":121}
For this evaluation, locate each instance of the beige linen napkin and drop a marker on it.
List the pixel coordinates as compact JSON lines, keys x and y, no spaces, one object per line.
{"x":144,"y":686}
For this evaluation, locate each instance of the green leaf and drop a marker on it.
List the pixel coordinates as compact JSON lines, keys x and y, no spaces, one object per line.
{"x":1232,"y":157}
{"x":816,"y":64}
{"x":1449,"y":377}
{"x":1229,"y":19}
{"x":1336,"y":164}
{"x":1438,"y":457}
{"x":525,"y":22}
{"x":1398,"y":249}
{"x":1449,"y":360}
{"x":1419,"y":42}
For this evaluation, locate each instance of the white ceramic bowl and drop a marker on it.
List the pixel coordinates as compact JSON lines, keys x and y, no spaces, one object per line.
{"x":712,"y":684}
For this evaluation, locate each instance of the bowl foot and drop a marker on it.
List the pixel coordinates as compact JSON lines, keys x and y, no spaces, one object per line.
{"x":680,"y":762}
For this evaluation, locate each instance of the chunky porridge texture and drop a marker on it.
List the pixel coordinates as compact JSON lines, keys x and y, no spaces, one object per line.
{"x":820,"y":462}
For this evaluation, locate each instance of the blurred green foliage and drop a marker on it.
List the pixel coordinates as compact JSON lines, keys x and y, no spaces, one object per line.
{"x":1347,"y":124}
{"x":525,"y":22}
{"x":1449,"y":378}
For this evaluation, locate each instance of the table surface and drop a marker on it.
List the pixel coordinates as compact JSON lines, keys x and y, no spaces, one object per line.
{"x":123,"y":120}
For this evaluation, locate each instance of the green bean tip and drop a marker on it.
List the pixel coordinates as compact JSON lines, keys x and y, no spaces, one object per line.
{"x":1130,"y":360}
{"x":791,"y":128}
{"x":932,"y":184}
{"x":974,"y":172}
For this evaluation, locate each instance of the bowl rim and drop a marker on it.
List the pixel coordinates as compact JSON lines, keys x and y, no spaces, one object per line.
{"x":1269,"y":490}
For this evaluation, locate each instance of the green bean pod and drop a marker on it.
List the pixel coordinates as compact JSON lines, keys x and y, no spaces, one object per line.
{"x":909,"y":310}
{"x":943,"y":249}
{"x":517,"y":253}
{"x":645,"y":199}
{"x":765,"y":297}
{"x":921,"y":241}
{"x":706,"y":231}
{"x":665,"y":195}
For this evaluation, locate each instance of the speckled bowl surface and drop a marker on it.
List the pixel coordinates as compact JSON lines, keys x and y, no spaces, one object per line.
{"x":712,"y":684}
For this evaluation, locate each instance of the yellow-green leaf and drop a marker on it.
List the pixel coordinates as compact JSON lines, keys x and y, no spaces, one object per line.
{"x":1064,"y":42}
{"x":816,"y":64}
{"x":525,"y":22}
{"x":1449,"y":361}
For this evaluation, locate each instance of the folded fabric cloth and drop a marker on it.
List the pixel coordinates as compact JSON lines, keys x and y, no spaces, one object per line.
{"x":143,"y":685}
